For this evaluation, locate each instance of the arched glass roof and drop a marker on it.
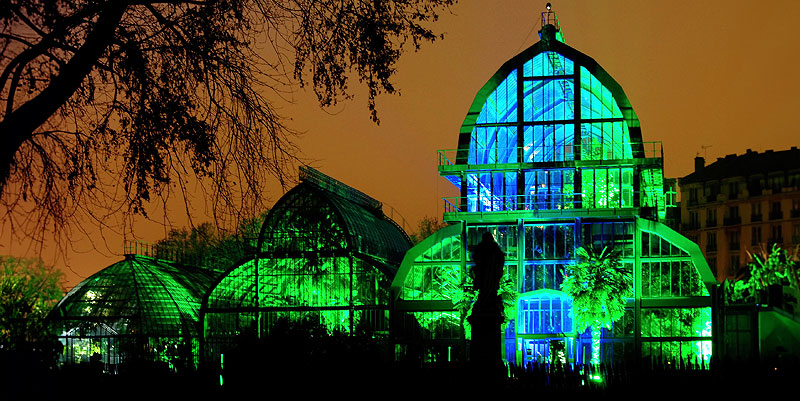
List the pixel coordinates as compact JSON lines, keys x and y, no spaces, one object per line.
{"x":324,"y":248}
{"x":541,"y":101}
{"x":313,"y":218}
{"x":137,"y":296}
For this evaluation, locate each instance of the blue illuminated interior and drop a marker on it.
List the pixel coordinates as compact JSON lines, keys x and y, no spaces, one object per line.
{"x":549,"y":126}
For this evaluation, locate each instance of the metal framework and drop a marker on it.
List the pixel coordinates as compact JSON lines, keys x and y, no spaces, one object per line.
{"x":140,"y":308}
{"x":550,"y":158}
{"x":326,"y":251}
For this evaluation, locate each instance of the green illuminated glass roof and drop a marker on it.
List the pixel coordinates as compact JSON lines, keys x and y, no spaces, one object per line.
{"x":312,"y":218}
{"x":138,"y":296}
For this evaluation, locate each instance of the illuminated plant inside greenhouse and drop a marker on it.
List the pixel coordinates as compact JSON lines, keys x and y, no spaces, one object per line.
{"x":776,"y":267}
{"x":598,"y":286}
{"x":445,"y":284}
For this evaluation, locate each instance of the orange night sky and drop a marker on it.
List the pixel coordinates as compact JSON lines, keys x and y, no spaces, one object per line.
{"x":717,"y":74}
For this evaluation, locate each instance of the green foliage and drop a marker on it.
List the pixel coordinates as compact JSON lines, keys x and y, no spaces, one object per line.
{"x":28,"y":291}
{"x":598,"y":286}
{"x":447,"y":284}
{"x":776,"y":267}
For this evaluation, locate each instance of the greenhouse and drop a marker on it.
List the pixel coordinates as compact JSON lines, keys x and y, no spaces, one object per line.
{"x":550,"y":159}
{"x":326,"y":252}
{"x":140,"y":309}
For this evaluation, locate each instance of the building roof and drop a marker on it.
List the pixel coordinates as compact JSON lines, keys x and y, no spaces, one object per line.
{"x":748,"y":164}
{"x":137,"y":296}
{"x":322,"y":214}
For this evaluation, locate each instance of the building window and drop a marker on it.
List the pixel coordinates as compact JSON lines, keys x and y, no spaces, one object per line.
{"x":775,"y":212}
{"x":755,"y":236}
{"x":711,"y":242}
{"x":775,"y":183}
{"x":710,"y":191}
{"x":733,"y":216}
{"x":692,"y":196}
{"x":712,"y":263}
{"x":694,"y":221}
{"x":734,"y":265}
{"x":733,"y":240}
{"x":755,"y":211}
{"x":795,"y":208}
{"x":777,"y":234}
{"x":733,"y":190}
{"x":711,"y":217}
{"x":796,"y":234}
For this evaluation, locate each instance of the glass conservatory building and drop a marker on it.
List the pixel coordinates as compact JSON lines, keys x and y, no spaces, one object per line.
{"x":326,"y":252}
{"x":550,"y":158}
{"x":138,"y":309}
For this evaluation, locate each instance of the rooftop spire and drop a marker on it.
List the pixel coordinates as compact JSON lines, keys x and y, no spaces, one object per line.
{"x":551,"y":29}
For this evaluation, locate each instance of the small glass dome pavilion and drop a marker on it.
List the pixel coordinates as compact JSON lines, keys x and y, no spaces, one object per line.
{"x":326,"y":251}
{"x":550,"y":158}
{"x":140,"y":308}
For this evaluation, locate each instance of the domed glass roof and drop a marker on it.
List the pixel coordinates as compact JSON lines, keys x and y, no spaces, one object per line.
{"x":136,"y":296}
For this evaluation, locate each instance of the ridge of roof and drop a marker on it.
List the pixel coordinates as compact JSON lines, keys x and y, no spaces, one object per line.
{"x":747,"y":164}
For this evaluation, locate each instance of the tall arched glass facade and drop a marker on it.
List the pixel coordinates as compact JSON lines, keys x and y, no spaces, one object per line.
{"x":550,"y":158}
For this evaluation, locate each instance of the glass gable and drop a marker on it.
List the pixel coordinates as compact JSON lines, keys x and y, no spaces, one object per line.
{"x":549,"y":130}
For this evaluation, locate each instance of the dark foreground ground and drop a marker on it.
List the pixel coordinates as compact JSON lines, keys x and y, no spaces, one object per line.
{"x":394,"y":380}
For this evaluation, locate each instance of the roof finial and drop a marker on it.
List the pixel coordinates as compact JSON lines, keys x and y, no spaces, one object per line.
{"x":550,"y":28}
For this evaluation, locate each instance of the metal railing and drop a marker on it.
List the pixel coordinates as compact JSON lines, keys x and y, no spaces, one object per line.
{"x":554,"y":153}
{"x":458,"y":204}
{"x":776,"y":215}
{"x":732,"y":220}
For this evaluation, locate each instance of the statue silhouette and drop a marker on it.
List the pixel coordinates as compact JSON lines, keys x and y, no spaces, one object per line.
{"x":487,"y":312}
{"x":488,"y":271}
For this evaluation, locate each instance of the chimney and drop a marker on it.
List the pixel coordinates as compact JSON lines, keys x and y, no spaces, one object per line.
{"x":699,"y":163}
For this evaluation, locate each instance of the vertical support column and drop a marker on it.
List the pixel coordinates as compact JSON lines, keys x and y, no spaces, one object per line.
{"x":350,"y":296}
{"x":462,"y":202}
{"x":637,"y":186}
{"x":520,"y":140}
{"x":521,"y":249}
{"x":637,"y":289}
{"x":463,"y":262}
{"x":577,"y":138}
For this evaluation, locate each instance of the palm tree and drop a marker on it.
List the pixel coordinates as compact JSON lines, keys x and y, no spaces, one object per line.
{"x":598,"y":286}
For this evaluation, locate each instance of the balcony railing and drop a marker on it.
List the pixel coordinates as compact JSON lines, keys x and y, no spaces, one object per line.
{"x":690,"y":226}
{"x":711,"y":222}
{"x":776,"y":215}
{"x":755,"y":217}
{"x":730,"y":221}
{"x":774,"y":241}
{"x":458,"y":204}
{"x":555,"y":153}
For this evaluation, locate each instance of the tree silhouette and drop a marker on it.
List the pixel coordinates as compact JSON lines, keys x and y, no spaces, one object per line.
{"x":426,"y":227}
{"x":598,"y":286}
{"x":107,"y":104}
{"x":209,"y":247}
